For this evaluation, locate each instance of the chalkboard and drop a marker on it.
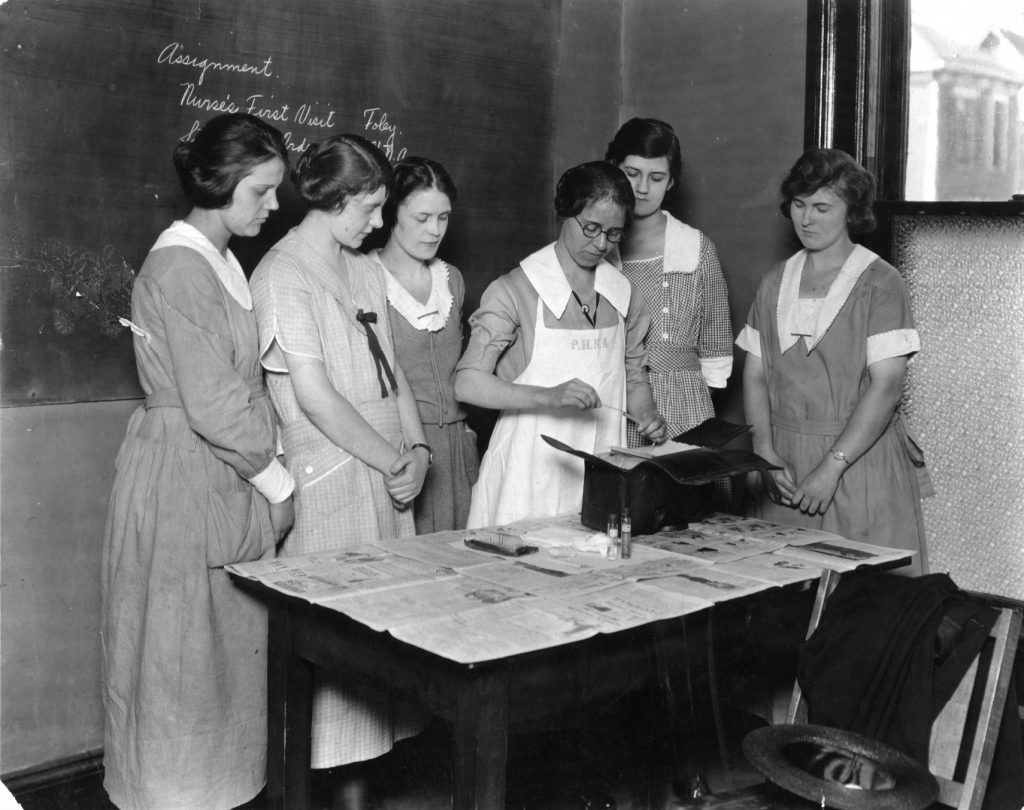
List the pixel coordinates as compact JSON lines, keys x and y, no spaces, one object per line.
{"x":95,"y":94}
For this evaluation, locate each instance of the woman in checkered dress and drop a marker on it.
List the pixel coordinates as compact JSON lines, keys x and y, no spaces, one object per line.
{"x":350,"y":427}
{"x":677,"y":271}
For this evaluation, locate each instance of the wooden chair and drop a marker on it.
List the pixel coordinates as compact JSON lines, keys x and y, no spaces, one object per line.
{"x":986,"y":683}
{"x":950,"y":732}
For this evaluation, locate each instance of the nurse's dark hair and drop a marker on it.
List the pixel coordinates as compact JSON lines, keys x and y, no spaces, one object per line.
{"x":331,"y":173}
{"x":589,"y":183}
{"x":414,"y":174}
{"x":835,"y":170}
{"x":221,"y":154}
{"x":647,"y":138}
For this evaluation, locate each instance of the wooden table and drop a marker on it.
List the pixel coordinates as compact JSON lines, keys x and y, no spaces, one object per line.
{"x":479,"y":700}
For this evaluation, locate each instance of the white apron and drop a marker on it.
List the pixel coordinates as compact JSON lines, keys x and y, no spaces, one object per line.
{"x":523,"y":476}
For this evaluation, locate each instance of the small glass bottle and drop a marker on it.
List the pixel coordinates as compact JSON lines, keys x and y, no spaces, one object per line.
{"x":626,"y":533}
{"x":613,"y":537}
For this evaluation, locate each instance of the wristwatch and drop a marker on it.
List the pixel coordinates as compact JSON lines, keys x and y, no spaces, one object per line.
{"x":839,"y":455}
{"x":430,"y":453}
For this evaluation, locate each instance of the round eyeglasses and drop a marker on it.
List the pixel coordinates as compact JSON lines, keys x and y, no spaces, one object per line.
{"x":592,"y":230}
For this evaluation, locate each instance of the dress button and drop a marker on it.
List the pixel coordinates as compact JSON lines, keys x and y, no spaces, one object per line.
{"x":664,"y":284}
{"x":664,"y":309}
{"x":309,"y":470}
{"x":664,"y":335}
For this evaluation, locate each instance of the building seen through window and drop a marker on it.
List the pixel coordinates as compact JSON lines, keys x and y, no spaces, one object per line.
{"x":966,"y":100}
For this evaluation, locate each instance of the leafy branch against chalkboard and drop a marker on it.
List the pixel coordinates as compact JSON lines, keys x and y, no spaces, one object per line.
{"x":87,"y":289}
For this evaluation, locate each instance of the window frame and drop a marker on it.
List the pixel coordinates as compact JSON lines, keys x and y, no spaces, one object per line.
{"x":858,"y":62}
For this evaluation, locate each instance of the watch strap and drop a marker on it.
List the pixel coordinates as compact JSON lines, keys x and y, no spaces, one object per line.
{"x":425,"y":446}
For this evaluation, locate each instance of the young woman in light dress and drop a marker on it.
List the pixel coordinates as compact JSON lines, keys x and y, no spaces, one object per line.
{"x":351,"y":431}
{"x":425,"y":298}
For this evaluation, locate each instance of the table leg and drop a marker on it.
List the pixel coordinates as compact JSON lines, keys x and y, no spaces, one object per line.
{"x":289,"y":718}
{"x":797,"y":712}
{"x":480,"y":731}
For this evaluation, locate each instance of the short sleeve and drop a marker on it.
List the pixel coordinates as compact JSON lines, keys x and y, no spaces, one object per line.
{"x":457,"y":285}
{"x":493,"y":327}
{"x":283,"y":304}
{"x":759,"y":316}
{"x":891,"y":330}
{"x":749,"y":340}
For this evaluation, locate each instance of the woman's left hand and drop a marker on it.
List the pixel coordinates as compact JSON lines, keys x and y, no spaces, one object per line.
{"x":653,"y":426}
{"x":406,"y":476}
{"x":814,"y":494}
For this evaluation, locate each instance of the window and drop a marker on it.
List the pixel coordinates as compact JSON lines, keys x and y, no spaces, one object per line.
{"x":928,"y":94}
{"x":966,"y":82}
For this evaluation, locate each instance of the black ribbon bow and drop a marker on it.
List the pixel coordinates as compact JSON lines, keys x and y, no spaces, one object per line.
{"x":379,"y":358}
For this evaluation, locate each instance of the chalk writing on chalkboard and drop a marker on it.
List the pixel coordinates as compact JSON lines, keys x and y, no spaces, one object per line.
{"x":310,"y":114}
{"x":87,"y":175}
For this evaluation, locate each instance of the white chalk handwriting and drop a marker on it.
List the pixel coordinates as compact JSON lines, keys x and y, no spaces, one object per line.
{"x":172,"y":55}
{"x":382,"y":133}
{"x":378,"y":128}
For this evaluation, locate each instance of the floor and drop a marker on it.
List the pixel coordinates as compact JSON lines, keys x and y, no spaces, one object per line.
{"x":414,"y":776}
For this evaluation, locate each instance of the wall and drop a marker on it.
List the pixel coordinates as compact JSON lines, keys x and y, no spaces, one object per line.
{"x":588,"y":90}
{"x":58,"y":467}
{"x":729,"y":76}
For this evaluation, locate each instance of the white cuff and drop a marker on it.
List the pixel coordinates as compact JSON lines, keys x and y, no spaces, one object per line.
{"x":897,"y":343}
{"x":716,"y":370}
{"x":750,"y":340}
{"x":274,"y":483}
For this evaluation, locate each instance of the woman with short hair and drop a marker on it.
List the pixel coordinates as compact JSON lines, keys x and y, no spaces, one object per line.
{"x":557,"y":346}
{"x":675,"y":267}
{"x":198,"y":486}
{"x":828,"y":337}
{"x":425,"y":297}
{"x":351,"y":432}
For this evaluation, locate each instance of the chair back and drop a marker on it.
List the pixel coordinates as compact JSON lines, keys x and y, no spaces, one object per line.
{"x":968,"y":725}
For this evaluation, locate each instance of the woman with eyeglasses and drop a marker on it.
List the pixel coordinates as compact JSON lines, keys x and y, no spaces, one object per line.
{"x":558,"y":346}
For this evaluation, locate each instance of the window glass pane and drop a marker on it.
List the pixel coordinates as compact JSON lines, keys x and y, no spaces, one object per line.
{"x":965,"y":139}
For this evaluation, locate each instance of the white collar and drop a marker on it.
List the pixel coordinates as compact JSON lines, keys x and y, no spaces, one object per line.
{"x":682,"y":246}
{"x":681,"y":253}
{"x":548,"y":279}
{"x":427,"y":317}
{"x":229,"y":272}
{"x":789,"y":293}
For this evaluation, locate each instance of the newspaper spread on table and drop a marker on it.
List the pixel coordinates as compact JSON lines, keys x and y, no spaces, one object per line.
{"x":471,"y":606}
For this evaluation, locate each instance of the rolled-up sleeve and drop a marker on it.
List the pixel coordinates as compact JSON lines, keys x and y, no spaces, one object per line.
{"x":494,"y":328}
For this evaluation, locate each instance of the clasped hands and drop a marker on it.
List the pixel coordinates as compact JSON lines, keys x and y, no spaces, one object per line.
{"x":812,"y":496}
{"x":577,"y":394}
{"x":405,"y":476}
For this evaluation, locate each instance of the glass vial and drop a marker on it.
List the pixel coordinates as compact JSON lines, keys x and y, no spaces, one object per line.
{"x":613,"y":537}
{"x":626,"y":533}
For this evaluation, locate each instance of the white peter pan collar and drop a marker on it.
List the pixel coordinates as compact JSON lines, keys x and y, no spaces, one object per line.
{"x":789,"y":293}
{"x":548,"y":279}
{"x":229,"y":272}
{"x":682,"y":246}
{"x":427,"y":317}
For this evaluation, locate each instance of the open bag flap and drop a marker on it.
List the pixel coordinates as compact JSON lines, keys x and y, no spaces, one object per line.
{"x":713,"y":432}
{"x":700,"y":466}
